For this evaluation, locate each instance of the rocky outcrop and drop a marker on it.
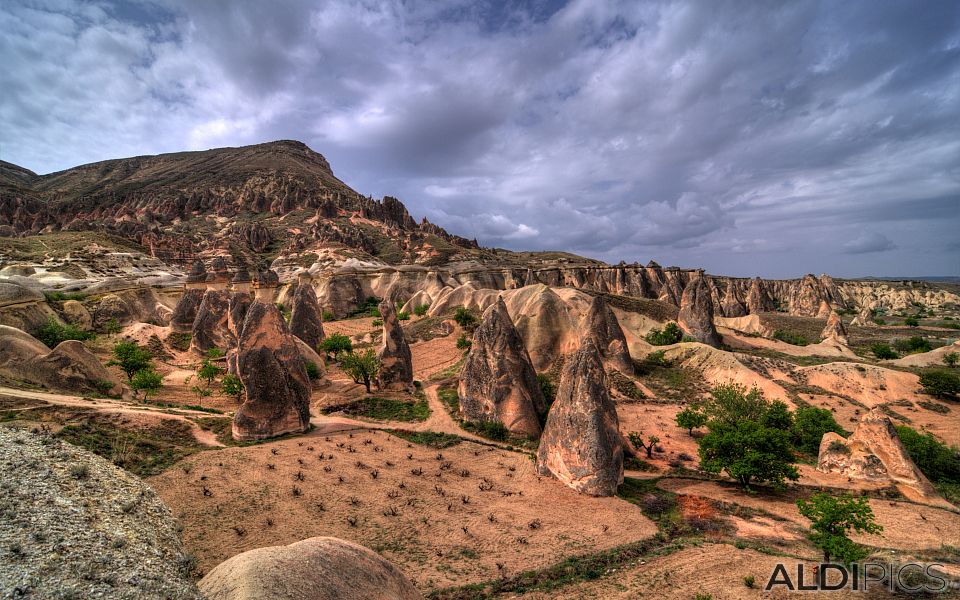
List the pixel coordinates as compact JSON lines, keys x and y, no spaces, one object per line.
{"x":22,"y":307}
{"x":498,"y":382}
{"x":68,"y":367}
{"x":581,"y":443}
{"x":319,"y":568}
{"x":211,"y":327}
{"x":602,"y":326}
{"x":305,"y":318}
{"x":835,"y":331}
{"x":864,"y":318}
{"x":874,"y":453}
{"x":758,"y":300}
{"x":732,"y":306}
{"x":185,"y":312}
{"x":276,"y":386}
{"x":396,"y":362}
{"x":543,"y":321}
{"x":82,"y":527}
{"x":696,"y":313}
{"x":76,"y":313}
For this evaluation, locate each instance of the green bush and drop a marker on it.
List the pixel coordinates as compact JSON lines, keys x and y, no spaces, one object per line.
{"x":232,"y":386}
{"x":547,"y":387}
{"x":657,"y":359}
{"x":939,"y":462}
{"x":147,"y":381}
{"x":112,"y":327}
{"x":403,"y":316}
{"x":911,"y":322}
{"x":377,"y":323}
{"x":130,"y":357}
{"x":463,"y":342}
{"x":790,"y":337}
{"x":942,"y":383}
{"x":950,"y":359}
{"x":421,"y":309}
{"x":690,"y":419}
{"x":913,"y":345}
{"x":880,"y":321}
{"x":313,"y":371}
{"x":63,"y":296}
{"x":669,"y":334}
{"x":883,"y":351}
{"x":334,"y":344}
{"x":53,"y":332}
{"x":809,"y":426}
{"x":464,"y":317}
{"x":328,"y":316}
{"x":490,"y":429}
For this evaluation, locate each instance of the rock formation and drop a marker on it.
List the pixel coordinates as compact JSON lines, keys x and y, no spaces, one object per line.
{"x":211,"y":327}
{"x":874,"y":453}
{"x":396,"y":362}
{"x":305,"y":317}
{"x":498,"y":382}
{"x":864,"y":318}
{"x":602,"y":325}
{"x":696,"y":313}
{"x":276,"y":386}
{"x":82,"y":527}
{"x":581,"y":443}
{"x":68,"y":367}
{"x":77,"y":314}
{"x":758,"y":300}
{"x":185,"y":312}
{"x":319,"y":568}
{"x":128,"y":306}
{"x":835,"y":330}
{"x":732,"y":306}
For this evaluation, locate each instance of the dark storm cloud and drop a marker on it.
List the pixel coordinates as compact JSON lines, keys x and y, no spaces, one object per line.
{"x":747,"y":138}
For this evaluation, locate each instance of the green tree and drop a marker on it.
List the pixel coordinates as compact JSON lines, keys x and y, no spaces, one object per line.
{"x":911,"y":322}
{"x":883,"y":351}
{"x":214,"y":353}
{"x":809,"y":425}
{"x":232,"y":386}
{"x":832,"y":518}
{"x":403,"y":316}
{"x":362,"y":368}
{"x":208,"y":371}
{"x":130,"y":357}
{"x":938,"y":461}
{"x":313,"y":371}
{"x":421,"y":309}
{"x":548,"y":388}
{"x":334,"y":344}
{"x":464,"y":317}
{"x":940,"y":382}
{"x":746,"y":437}
{"x":670,"y":334}
{"x":147,"y":381}
{"x":636,"y":438}
{"x":950,"y":359}
{"x":463,"y":342}
{"x":53,"y":332}
{"x":690,"y":419}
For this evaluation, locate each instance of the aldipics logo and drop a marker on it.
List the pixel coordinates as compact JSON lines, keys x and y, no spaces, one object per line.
{"x":894,"y":577}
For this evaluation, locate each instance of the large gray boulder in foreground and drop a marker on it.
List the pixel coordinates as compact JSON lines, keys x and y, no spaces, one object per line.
{"x":319,"y":568}
{"x":76,"y":526}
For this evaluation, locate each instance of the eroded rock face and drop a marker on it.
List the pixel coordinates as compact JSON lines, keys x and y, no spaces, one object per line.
{"x":185,"y":312}
{"x":76,"y":313}
{"x":277,"y":388}
{"x":732,"y":306}
{"x":138,"y":305}
{"x":602,"y":325}
{"x":396,"y":362}
{"x":758,"y":300}
{"x":835,"y":330}
{"x":498,"y":382}
{"x":319,"y":568}
{"x":211,"y":328}
{"x":875,"y":453}
{"x":864,"y":318}
{"x":581,"y":443}
{"x":305,"y":318}
{"x":696,"y":313}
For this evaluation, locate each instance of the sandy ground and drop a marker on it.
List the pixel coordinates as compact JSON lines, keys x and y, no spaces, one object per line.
{"x":659,"y":420}
{"x":714,"y":569}
{"x":523,"y":521}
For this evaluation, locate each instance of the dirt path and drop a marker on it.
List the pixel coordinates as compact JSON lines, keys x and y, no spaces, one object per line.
{"x":206,"y":438}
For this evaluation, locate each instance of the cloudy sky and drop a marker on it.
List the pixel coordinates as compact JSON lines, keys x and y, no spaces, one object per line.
{"x":748,"y":138}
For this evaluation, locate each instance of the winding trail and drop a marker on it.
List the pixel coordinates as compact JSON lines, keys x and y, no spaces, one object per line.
{"x":111,"y":406}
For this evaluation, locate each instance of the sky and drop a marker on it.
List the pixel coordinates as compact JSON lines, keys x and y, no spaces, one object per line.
{"x":746,"y":138}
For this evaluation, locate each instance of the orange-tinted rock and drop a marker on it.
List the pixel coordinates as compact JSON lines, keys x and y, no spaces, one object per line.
{"x":732,"y":306}
{"x":276,"y":386}
{"x":211,"y":328}
{"x":581,"y":443}
{"x":498,"y":382}
{"x":696,"y":313}
{"x":835,"y":329}
{"x":396,"y":362}
{"x":758,"y":300}
{"x":305,"y":317}
{"x":602,"y":325}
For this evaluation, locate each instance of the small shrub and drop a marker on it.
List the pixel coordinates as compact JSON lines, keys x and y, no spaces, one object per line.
{"x":464,"y":318}
{"x":838,"y":446}
{"x":80,"y":471}
{"x":334,"y":344}
{"x":403,"y":316}
{"x":53,"y":332}
{"x":911,"y":322}
{"x":232,"y":386}
{"x":421,"y":309}
{"x":130,"y":357}
{"x":377,"y":323}
{"x":548,"y":388}
{"x":950,"y":359}
{"x":328,"y":316}
{"x":913,"y":345}
{"x":790,"y":337}
{"x":750,"y":581}
{"x":490,"y":429}
{"x":313,"y":371}
{"x":883,"y":351}
{"x":112,"y":327}
{"x":940,"y":383}
{"x":880,"y":321}
{"x":463,"y":342}
{"x":657,"y":359}
{"x":669,"y":334}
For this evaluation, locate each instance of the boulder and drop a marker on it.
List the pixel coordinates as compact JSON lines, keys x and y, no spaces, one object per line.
{"x":84,"y":528}
{"x":498,"y":382}
{"x":396,"y":362}
{"x":276,"y":386}
{"x":602,"y":325}
{"x":76,"y":313}
{"x":305,"y":317}
{"x":68,"y":367}
{"x":211,"y":328}
{"x":696,"y":313}
{"x":835,"y":330}
{"x":185,"y":312}
{"x":581,"y":443}
{"x":874,"y":453}
{"x":137,"y":305}
{"x":319,"y":568}
{"x":732,"y":306}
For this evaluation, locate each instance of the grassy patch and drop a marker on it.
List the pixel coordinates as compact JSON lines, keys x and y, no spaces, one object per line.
{"x":625,"y":385}
{"x":451,"y":371}
{"x":450,"y":398}
{"x":384,"y":409}
{"x":143,"y":452}
{"x":433,"y":439}
{"x":179,"y":341}
{"x":222,"y":427}
{"x":791,"y":337}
